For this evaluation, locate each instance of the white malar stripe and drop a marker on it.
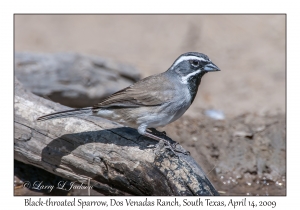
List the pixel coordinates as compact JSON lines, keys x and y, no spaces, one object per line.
{"x":184,"y":79}
{"x":189,"y":57}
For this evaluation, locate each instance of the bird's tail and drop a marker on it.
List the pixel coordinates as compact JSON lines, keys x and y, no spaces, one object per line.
{"x":67,"y":113}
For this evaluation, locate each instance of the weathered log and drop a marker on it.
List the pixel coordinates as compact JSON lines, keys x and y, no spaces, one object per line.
{"x":115,"y":159}
{"x":72,"y":79}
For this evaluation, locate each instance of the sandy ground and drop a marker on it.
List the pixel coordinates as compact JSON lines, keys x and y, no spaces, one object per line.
{"x":249,"y":49}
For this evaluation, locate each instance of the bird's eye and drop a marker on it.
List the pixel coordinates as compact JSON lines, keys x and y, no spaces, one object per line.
{"x":195,"y":63}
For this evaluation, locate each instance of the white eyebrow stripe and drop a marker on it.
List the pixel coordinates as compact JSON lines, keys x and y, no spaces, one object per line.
{"x":185,"y":78}
{"x":188,"y":57}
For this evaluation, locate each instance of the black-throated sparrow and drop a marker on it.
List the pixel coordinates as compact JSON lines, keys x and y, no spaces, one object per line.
{"x":153,"y":101}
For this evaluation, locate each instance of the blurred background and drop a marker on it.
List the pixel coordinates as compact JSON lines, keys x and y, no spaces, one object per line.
{"x":249,"y":49}
{"x":243,"y":154}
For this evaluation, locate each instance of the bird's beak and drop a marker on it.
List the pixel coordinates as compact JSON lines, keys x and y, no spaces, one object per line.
{"x":211,"y":67}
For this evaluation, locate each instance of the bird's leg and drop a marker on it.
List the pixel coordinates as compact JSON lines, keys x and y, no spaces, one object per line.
{"x":166,"y":143}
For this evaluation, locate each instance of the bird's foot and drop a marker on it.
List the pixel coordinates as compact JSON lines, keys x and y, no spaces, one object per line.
{"x":180,"y":149}
{"x":164,"y":144}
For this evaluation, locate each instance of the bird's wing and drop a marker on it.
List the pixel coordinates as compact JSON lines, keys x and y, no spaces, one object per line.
{"x":146,"y":92}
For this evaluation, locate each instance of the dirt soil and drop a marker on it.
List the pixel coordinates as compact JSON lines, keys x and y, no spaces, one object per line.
{"x":244,"y":154}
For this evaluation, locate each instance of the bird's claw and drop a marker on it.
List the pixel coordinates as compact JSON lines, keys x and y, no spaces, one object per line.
{"x":164,"y":144}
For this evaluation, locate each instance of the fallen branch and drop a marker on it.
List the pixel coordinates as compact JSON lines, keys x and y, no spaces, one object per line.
{"x":116,"y":160}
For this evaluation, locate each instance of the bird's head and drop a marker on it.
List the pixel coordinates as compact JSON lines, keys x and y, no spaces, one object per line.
{"x":192,"y":66}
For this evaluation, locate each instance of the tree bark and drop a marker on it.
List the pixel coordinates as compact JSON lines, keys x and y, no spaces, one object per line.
{"x":115,"y":159}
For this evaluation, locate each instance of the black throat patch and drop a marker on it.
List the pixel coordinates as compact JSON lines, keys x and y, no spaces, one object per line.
{"x":193,"y":84}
